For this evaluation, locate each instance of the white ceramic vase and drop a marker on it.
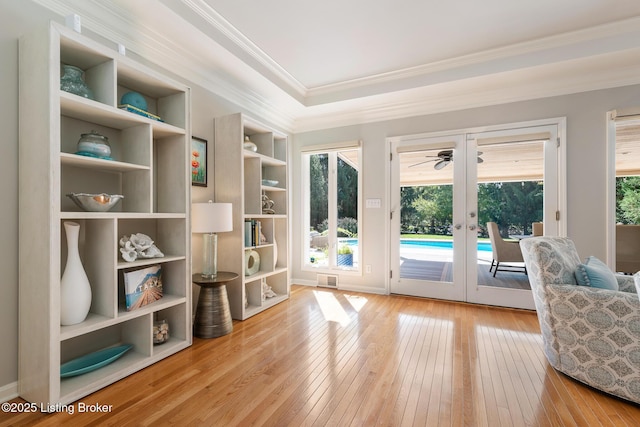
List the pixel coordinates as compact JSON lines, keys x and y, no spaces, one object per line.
{"x":75,"y":290}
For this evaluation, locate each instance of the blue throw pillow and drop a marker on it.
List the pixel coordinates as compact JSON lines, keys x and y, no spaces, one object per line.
{"x":596,"y":274}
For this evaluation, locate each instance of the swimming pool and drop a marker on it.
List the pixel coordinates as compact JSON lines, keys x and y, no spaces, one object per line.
{"x":438,"y":244}
{"x":427,"y":244}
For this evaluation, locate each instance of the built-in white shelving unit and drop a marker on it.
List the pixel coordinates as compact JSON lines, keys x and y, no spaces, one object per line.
{"x":242,"y":177}
{"x":149,"y":167}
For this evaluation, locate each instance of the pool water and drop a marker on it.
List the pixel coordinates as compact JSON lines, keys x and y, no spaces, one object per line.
{"x":439,"y":244}
{"x":430,"y":244}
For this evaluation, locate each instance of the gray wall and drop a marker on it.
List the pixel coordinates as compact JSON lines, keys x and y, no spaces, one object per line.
{"x":586,"y":168}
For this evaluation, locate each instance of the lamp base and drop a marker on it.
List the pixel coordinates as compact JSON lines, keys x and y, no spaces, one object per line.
{"x":210,"y":256}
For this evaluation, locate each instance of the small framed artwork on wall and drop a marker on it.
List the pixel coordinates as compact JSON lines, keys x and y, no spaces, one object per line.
{"x":198,"y":161}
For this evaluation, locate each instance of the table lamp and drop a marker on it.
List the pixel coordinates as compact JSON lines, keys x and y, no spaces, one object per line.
{"x":210,"y":218}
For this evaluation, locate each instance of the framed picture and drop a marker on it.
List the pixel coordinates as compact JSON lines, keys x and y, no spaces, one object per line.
{"x":142,"y":286}
{"x":198,"y":161}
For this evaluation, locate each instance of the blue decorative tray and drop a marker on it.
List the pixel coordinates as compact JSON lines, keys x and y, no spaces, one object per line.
{"x":92,"y":361}
{"x":130,"y":108}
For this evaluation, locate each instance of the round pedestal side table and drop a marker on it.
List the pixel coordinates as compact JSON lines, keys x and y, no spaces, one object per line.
{"x":213,"y":317}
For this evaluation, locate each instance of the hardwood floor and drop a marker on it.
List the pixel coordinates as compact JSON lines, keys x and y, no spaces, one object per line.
{"x":339,"y":358}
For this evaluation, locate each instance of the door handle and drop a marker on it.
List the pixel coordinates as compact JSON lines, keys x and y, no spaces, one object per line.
{"x":472,"y":227}
{"x":457,"y":226}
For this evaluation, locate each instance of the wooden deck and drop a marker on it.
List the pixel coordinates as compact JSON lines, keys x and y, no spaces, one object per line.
{"x":441,"y":271}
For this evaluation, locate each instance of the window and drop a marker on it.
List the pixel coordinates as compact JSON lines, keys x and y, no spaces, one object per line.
{"x":332,"y":208}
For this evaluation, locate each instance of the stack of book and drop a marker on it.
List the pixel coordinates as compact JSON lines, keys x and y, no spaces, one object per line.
{"x":252,"y":233}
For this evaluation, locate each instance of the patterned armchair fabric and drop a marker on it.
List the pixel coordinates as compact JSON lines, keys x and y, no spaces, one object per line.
{"x":590,"y":334}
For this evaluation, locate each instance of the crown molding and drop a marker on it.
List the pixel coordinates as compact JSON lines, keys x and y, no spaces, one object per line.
{"x":614,"y":36}
{"x":569,"y":77}
{"x":210,"y":15}
{"x":564,"y":64}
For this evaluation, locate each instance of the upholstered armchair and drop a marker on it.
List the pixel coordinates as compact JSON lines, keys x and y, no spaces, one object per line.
{"x":590,"y":334}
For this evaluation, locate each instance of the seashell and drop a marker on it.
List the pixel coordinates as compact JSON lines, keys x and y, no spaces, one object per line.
{"x":128,"y":254}
{"x":141,"y":241}
{"x":151,"y":252}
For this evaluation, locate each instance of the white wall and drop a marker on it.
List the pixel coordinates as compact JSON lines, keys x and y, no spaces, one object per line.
{"x":586,"y":169}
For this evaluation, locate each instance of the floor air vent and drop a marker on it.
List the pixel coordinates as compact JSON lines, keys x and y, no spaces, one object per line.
{"x":327,"y":280}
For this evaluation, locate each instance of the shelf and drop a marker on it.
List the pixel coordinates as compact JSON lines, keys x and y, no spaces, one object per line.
{"x":269,"y":188}
{"x":165,"y":302}
{"x":266,"y":160}
{"x":252,"y":310}
{"x":75,"y":387}
{"x":120,"y":215}
{"x":265,"y":216}
{"x":95,"y":112}
{"x":94,"y":321}
{"x":264,"y":245}
{"x":263,"y":274}
{"x":148,"y":261}
{"x":101,"y":164}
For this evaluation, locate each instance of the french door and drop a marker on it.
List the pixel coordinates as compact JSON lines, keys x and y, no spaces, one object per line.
{"x":438,"y":243}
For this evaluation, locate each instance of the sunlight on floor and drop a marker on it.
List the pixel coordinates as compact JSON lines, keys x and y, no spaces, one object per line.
{"x":356,"y":301}
{"x":331,"y":308}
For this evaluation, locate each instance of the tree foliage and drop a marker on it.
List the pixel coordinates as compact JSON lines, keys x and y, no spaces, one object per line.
{"x":347,"y":189}
{"x":513,"y":205}
{"x":628,"y":200}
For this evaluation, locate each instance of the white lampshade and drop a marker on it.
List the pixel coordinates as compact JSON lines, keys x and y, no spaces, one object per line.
{"x":211,"y":217}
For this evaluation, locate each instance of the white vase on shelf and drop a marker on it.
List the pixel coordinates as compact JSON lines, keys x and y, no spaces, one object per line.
{"x":75,"y":290}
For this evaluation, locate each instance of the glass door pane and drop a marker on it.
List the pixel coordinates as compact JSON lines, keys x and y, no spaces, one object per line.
{"x":627,"y":209}
{"x":427,"y":198}
{"x":510,"y":193}
{"x":513,"y":174}
{"x":347,"y":168}
{"x":318,"y":212}
{"x":426,"y":215}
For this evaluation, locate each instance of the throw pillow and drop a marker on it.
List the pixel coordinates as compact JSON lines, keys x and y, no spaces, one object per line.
{"x":596,"y":274}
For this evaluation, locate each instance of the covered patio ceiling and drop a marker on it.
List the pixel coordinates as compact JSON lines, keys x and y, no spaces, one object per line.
{"x":513,"y":162}
{"x":500,"y":163}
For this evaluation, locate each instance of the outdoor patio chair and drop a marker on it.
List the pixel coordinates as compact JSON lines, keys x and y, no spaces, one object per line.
{"x":504,"y":252}
{"x":589,"y":333}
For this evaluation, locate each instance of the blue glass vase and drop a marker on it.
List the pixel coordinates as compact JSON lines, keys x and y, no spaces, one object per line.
{"x":72,"y":82}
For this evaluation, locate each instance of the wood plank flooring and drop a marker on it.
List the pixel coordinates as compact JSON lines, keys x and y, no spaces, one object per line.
{"x":328,"y":357}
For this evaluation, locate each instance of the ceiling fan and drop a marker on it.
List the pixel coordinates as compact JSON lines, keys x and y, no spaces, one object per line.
{"x":443,"y":158}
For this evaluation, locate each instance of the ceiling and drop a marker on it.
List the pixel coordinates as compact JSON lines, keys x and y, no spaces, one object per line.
{"x":308,"y":65}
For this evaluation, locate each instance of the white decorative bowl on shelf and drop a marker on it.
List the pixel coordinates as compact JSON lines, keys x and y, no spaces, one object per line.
{"x":95,"y":202}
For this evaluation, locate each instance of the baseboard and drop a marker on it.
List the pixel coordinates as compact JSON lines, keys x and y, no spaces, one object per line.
{"x":311,"y":283}
{"x":8,"y":392}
